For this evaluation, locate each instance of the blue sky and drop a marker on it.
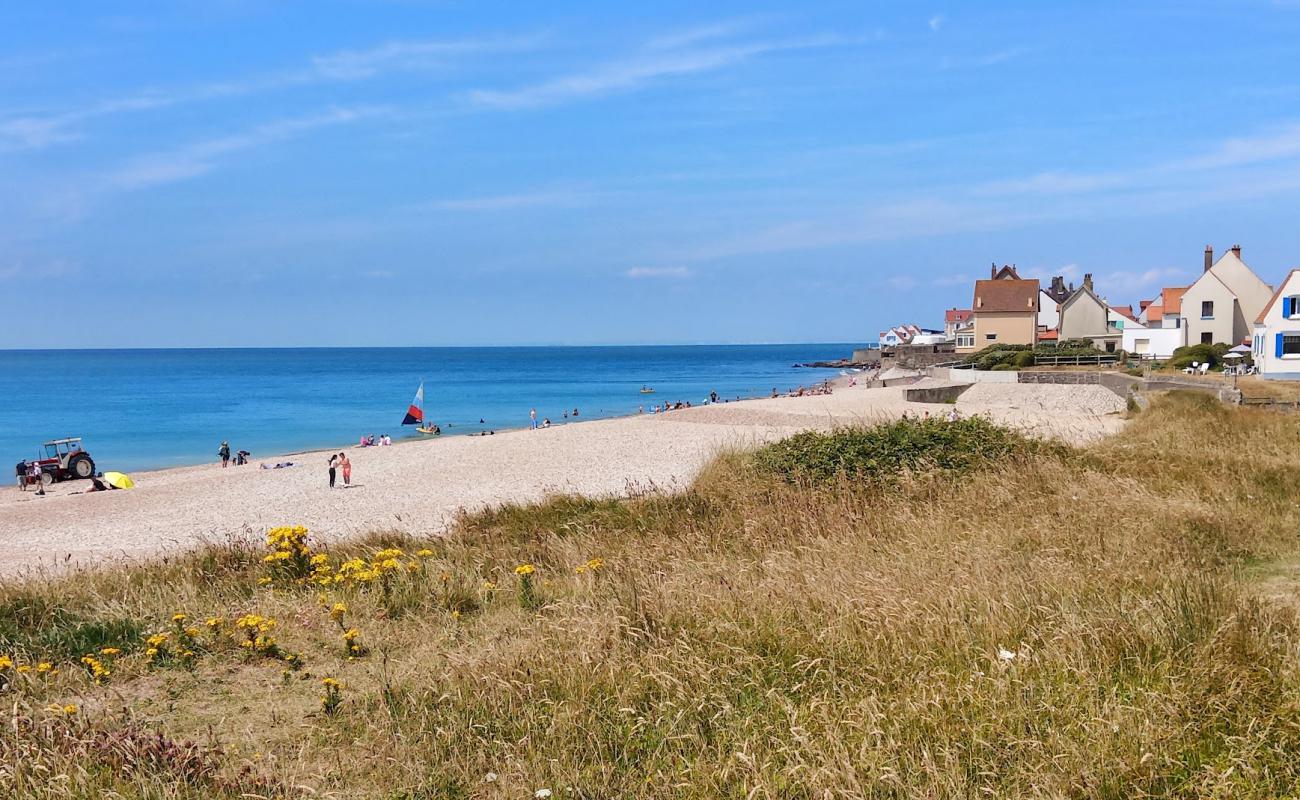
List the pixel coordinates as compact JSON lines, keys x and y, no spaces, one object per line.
{"x":231,"y":172}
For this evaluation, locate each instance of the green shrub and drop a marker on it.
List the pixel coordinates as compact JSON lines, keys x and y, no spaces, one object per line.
{"x":886,"y":452}
{"x":1023,"y":359}
{"x":1200,"y":353}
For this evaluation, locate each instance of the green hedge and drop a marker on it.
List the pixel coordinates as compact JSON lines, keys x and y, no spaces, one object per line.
{"x":887,"y":452}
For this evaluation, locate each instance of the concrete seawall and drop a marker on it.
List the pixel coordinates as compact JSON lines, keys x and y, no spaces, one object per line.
{"x":936,"y":394}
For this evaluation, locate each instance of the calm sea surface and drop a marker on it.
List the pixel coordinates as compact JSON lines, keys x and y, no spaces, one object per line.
{"x":144,"y":409}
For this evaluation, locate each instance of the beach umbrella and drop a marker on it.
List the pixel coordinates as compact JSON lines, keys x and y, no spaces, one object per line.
{"x":119,"y":481}
{"x":1241,"y":348}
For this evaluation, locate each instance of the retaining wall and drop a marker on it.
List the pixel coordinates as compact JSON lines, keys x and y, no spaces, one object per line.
{"x":936,"y":394}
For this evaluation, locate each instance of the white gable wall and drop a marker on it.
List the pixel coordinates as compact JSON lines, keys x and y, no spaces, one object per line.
{"x":1275,"y":343}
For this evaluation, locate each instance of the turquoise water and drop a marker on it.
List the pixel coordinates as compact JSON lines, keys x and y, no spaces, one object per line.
{"x":145,"y":409}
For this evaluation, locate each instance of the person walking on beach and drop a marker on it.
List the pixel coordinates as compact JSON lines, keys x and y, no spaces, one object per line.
{"x":532,"y":419}
{"x":223,"y":453}
{"x":334,"y":462}
{"x":346,"y":465}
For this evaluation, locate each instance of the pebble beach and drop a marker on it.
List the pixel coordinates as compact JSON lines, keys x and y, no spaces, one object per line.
{"x":419,"y":487}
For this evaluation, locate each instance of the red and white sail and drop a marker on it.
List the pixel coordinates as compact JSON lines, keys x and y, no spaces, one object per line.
{"x":415,"y":413}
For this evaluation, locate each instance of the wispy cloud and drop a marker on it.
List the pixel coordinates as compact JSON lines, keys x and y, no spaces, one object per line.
{"x":641,"y":69}
{"x":985,"y":60}
{"x":638,"y":273}
{"x":411,"y":55}
{"x":35,"y":130}
{"x":702,"y":33}
{"x":505,"y":202}
{"x":936,"y":22}
{"x":201,"y":157}
{"x":47,"y":270}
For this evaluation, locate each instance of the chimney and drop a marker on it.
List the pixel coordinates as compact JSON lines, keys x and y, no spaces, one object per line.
{"x":1209,"y":257}
{"x":1087,"y":281}
{"x":1236,"y":251}
{"x":993,"y":270}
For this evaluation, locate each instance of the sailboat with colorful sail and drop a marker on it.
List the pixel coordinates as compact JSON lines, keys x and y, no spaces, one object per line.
{"x":415,"y":414}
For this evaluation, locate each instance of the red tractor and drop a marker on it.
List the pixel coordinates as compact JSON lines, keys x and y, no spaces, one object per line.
{"x":64,"y":460}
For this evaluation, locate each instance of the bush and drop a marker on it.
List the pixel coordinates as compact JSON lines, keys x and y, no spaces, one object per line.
{"x":886,"y":452}
{"x":1200,"y":353}
{"x":1023,"y":359}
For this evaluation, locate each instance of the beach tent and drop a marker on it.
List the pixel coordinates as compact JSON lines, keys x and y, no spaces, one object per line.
{"x":118,"y":481}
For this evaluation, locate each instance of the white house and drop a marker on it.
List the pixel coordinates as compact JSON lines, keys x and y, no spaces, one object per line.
{"x":1276,"y":341}
{"x":1220,"y":305}
{"x":1151,"y":340}
{"x":910,"y":334}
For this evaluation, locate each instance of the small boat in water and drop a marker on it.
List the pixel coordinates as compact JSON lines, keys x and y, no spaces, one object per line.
{"x":647,"y":390}
{"x":415,"y":415}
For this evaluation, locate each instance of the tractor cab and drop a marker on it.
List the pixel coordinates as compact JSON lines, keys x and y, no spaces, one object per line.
{"x":61,"y":450}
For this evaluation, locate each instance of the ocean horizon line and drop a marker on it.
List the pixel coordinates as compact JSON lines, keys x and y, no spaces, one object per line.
{"x":220,"y":348}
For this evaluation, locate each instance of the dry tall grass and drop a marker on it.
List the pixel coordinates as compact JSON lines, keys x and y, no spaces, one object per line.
{"x":1072,"y":624}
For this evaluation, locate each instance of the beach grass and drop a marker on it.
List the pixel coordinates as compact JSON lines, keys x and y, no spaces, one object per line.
{"x":1043,"y":621}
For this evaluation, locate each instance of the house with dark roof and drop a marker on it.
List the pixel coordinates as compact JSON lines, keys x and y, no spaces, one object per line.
{"x":1085,"y":315}
{"x":1005,"y":311}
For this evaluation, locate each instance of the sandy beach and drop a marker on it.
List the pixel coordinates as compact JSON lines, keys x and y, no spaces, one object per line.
{"x":420,"y":486}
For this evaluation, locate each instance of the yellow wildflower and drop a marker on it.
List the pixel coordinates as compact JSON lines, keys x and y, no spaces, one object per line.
{"x":337,"y":612}
{"x":425,"y":553}
{"x":24,"y":668}
{"x":179,"y":618}
{"x":214,"y":622}
{"x":44,"y":666}
{"x":6,"y":662}
{"x":524,"y":569}
{"x":109,"y":651}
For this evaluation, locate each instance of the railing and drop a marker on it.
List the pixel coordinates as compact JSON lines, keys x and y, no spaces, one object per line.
{"x":1075,"y":361}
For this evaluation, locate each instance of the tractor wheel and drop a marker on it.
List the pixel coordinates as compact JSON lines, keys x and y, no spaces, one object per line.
{"x":47,"y":477}
{"x":82,"y":467}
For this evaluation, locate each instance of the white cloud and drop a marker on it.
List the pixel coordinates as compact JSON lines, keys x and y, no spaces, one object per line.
{"x":200,"y":157}
{"x":658,"y":272}
{"x":49,"y":270}
{"x":902,"y":282}
{"x":986,"y":60}
{"x":504,"y":202}
{"x":936,"y":22}
{"x":633,"y":73}
{"x":34,"y":131}
{"x":408,"y":55}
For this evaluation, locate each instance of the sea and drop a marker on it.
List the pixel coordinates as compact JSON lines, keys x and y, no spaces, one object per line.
{"x":151,"y":409}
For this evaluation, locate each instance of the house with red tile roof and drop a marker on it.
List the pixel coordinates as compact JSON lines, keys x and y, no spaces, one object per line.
{"x":1005,"y":310}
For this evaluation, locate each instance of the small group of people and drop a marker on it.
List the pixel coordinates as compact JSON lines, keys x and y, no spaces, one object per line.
{"x":953,"y":415}
{"x":382,"y":441}
{"x":29,"y":474}
{"x":533,"y":424}
{"x":240,"y":456}
{"x":340,"y":463}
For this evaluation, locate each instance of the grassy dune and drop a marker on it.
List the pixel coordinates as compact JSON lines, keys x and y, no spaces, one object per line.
{"x":1041,"y":621}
